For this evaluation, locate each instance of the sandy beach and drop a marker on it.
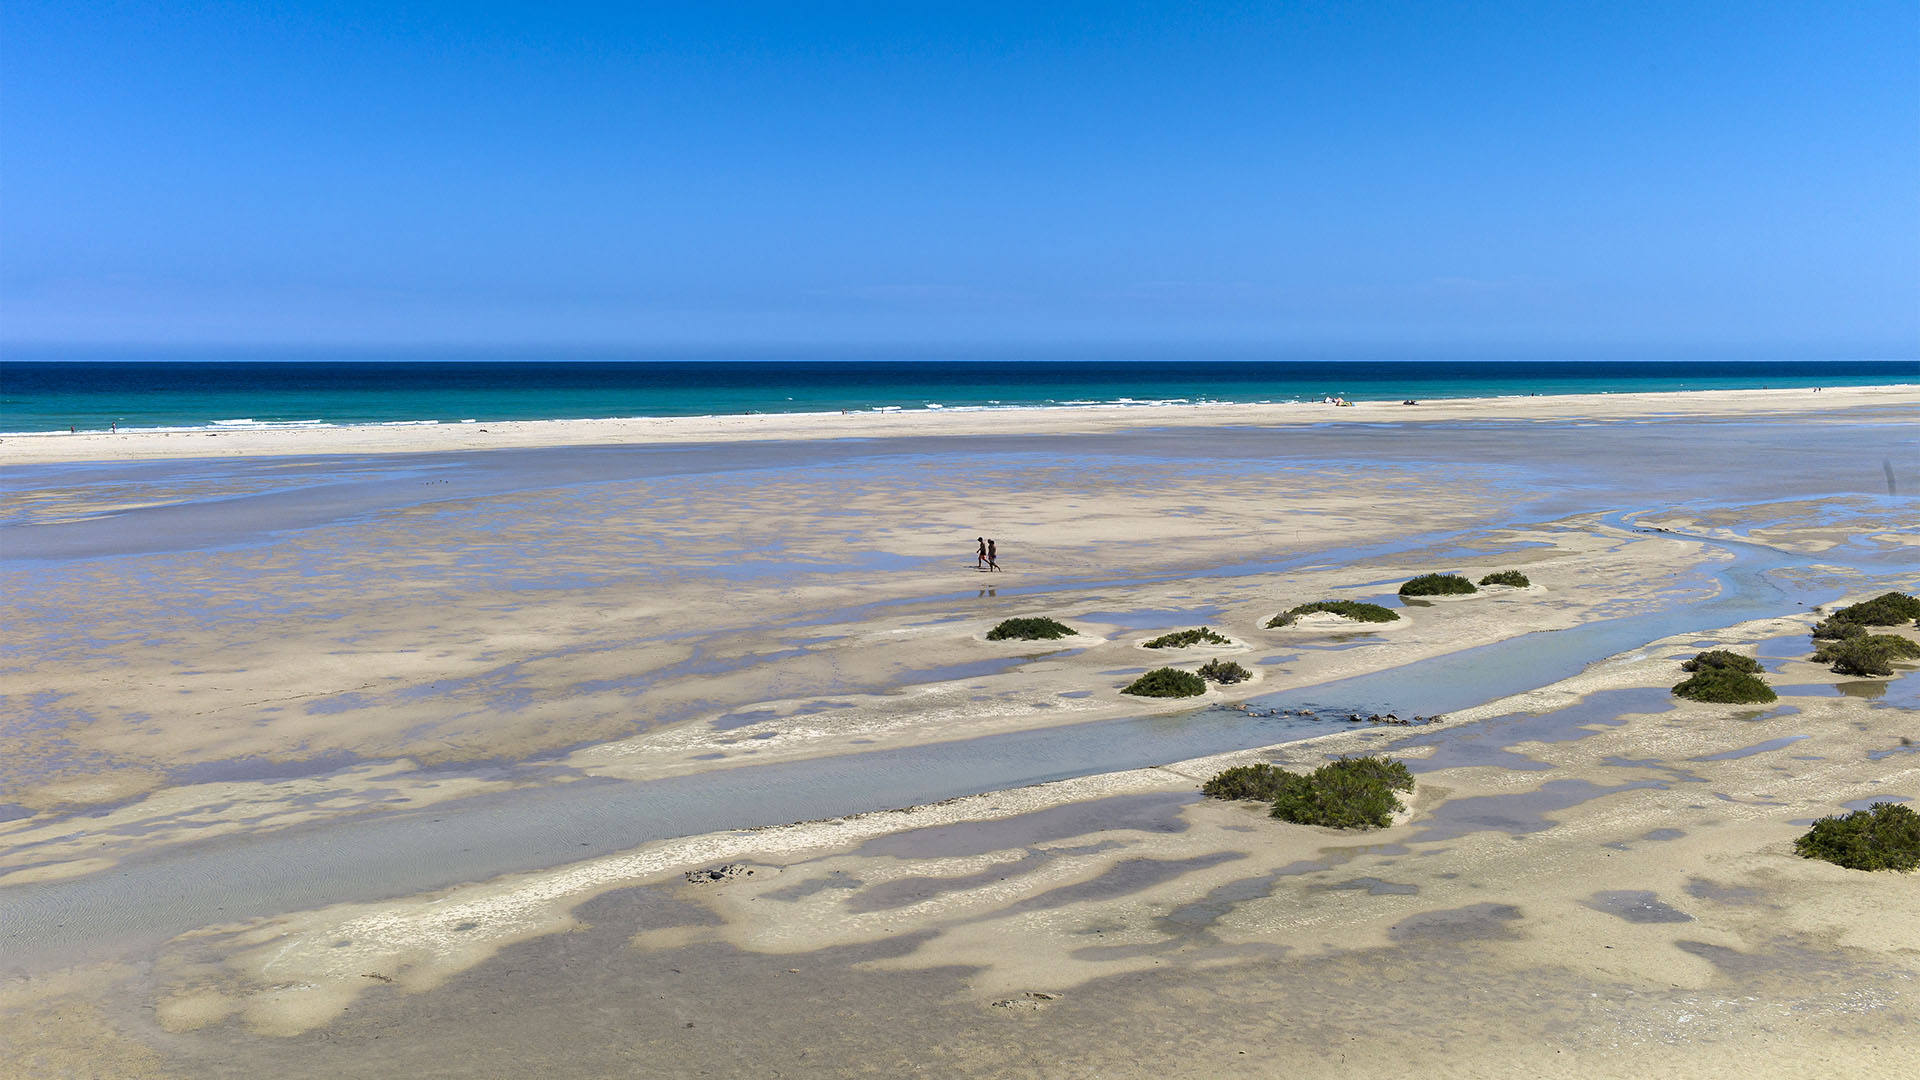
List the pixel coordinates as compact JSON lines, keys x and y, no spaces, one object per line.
{"x":677,"y":747}
{"x":494,"y":435}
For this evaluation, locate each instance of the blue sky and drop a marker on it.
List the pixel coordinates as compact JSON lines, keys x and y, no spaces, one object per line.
{"x":1667,"y":178}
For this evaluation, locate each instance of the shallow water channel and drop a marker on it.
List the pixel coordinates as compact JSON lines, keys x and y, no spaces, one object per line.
{"x":374,"y":857}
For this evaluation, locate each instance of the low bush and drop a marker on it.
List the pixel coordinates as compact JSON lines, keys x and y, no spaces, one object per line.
{"x":1261,"y":782}
{"x":1724,"y":660}
{"x":1385,"y":770}
{"x":1887,"y":609}
{"x":1507,"y":577}
{"x":1896,"y":646}
{"x":1836,"y":629}
{"x":1350,"y":793}
{"x":1726,"y":687}
{"x":1351,"y":609}
{"x":1854,"y":656}
{"x":1040,"y":629}
{"x":1166,"y":682}
{"x":1437,"y":585}
{"x":1868,"y":654}
{"x":1180,"y":639}
{"x":1885,"y":836}
{"x":1224,"y":672}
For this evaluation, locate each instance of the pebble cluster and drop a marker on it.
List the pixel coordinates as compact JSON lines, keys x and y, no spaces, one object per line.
{"x":718,"y":873}
{"x":1356,"y":718}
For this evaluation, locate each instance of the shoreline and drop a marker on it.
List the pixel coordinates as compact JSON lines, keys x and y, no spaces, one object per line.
{"x":431,"y":437}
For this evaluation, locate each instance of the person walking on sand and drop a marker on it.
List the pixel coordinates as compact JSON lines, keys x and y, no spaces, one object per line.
{"x":993,"y":556}
{"x":980,"y":560}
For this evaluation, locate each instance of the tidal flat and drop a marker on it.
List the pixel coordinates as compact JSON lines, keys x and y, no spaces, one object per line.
{"x":325,"y":761}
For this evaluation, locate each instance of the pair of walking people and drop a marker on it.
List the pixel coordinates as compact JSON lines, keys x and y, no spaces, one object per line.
{"x":989,"y":556}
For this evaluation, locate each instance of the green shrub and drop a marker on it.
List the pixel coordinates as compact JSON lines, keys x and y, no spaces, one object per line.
{"x":1724,"y":660}
{"x":1261,"y":782}
{"x":1896,"y":646}
{"x":1854,"y":656}
{"x":1885,"y":836}
{"x":1437,"y":585}
{"x":1350,"y":793}
{"x":1166,"y":682}
{"x":1868,"y":654}
{"x":1224,"y":672}
{"x":1351,"y":609}
{"x":1182,"y":638}
{"x":1385,"y":770}
{"x":1507,"y":577}
{"x":1836,"y":629}
{"x":1727,"y":687}
{"x":1887,"y":609}
{"x":1040,"y":629}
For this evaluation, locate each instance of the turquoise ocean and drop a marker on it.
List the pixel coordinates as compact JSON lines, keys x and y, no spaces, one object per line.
{"x":91,"y":392}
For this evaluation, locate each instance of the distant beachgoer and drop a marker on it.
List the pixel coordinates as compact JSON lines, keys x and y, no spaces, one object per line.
{"x":980,"y":560}
{"x":993,"y":556}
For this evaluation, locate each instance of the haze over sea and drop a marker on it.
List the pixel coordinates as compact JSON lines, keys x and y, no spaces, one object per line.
{"x":315,"y":388}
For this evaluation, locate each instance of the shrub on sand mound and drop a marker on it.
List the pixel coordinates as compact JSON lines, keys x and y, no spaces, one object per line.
{"x":1224,"y":672}
{"x":1836,"y":629}
{"x":1180,"y":639}
{"x":1868,"y":654}
{"x":1724,"y":660}
{"x":1887,"y":609}
{"x":1166,"y":682}
{"x":1896,"y":646}
{"x":1261,"y":782}
{"x":1040,"y":629}
{"x":1724,"y":686}
{"x":1437,"y":585}
{"x":1351,"y":609}
{"x":1371,"y":767}
{"x":1885,"y":836}
{"x":1507,"y":577}
{"x":1350,"y":793}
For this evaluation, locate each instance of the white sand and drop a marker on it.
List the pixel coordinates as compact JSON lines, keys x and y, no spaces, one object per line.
{"x":374,"y":439}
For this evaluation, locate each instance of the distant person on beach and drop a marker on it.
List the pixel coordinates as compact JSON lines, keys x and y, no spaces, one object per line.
{"x":980,"y":560}
{"x":993,"y":556}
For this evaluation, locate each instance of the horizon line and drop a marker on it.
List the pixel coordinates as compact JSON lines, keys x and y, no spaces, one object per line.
{"x":1238,"y":351}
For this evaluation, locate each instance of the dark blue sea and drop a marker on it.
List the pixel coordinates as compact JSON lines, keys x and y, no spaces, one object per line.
{"x":181,"y":392}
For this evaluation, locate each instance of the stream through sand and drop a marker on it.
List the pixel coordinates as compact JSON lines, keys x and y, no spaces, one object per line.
{"x":153,"y":897}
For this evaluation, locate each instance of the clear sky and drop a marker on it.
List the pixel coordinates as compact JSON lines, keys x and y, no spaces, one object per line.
{"x":1548,"y":177}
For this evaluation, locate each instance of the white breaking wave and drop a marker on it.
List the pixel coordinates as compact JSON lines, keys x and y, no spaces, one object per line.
{"x":249,"y":423}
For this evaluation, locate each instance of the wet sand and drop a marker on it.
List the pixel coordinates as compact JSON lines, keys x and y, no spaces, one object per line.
{"x":341,"y":646}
